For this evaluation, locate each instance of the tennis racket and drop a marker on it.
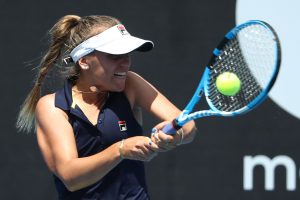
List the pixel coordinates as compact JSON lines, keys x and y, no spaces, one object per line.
{"x":252,"y":52}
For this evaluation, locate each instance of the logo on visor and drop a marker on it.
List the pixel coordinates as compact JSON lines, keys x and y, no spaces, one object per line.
{"x":122,"y":29}
{"x":122,"y":125}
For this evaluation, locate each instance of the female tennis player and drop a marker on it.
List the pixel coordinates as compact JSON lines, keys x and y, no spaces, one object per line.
{"x":89,"y":131}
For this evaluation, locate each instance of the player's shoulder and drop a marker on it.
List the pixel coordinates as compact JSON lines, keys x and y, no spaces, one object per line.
{"x":47,"y":100}
{"x":133,"y":75}
{"x":134,"y":78}
{"x":46,"y":104}
{"x":46,"y":107}
{"x":132,"y":82}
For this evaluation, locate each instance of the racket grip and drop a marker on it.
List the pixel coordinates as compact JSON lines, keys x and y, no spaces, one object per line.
{"x":171,"y":128}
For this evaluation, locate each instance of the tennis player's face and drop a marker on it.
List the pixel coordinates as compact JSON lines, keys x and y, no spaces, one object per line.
{"x":109,"y":72}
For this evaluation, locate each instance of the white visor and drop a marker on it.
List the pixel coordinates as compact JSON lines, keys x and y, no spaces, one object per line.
{"x":115,"y":40}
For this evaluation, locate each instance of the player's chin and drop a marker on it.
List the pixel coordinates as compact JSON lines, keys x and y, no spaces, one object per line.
{"x":118,"y":83}
{"x":119,"y":87}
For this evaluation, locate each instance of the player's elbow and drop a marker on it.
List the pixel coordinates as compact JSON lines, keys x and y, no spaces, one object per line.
{"x":70,"y":183}
{"x":68,"y":179}
{"x":70,"y":187}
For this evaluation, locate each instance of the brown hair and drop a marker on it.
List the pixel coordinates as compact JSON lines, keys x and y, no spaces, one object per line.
{"x":66,"y":34}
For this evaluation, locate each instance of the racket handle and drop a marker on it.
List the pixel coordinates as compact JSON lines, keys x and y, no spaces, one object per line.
{"x":171,"y":128}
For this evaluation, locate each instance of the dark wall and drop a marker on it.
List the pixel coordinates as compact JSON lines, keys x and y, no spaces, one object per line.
{"x":185,"y":33}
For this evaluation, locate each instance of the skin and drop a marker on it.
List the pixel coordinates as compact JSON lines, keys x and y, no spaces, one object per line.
{"x":98,"y":73}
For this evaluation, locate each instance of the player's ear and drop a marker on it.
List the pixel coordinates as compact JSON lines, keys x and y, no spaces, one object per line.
{"x":82,"y":62}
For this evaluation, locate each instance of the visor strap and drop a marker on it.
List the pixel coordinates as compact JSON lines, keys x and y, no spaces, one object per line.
{"x":67,"y":60}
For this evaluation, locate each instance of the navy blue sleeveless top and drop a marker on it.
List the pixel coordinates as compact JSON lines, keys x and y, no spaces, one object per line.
{"x":115,"y":122}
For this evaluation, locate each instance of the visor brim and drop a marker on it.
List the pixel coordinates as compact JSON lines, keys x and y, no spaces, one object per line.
{"x":125,"y":45}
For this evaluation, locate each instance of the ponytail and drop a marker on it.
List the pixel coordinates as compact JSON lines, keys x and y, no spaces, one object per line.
{"x":59,"y":34}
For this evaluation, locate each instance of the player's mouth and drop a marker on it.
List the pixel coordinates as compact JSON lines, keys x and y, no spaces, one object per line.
{"x":120,"y":74}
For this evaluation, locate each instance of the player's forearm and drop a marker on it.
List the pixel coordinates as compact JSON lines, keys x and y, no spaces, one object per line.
{"x":81,"y":172}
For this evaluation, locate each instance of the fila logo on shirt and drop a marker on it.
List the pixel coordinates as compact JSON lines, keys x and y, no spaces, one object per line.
{"x":122,"y":125}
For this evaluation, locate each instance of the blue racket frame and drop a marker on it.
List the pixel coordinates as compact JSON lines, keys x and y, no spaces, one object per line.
{"x":185,"y":115}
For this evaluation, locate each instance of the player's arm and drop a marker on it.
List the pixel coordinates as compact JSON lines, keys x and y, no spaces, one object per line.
{"x":57,"y":143}
{"x":142,"y":93}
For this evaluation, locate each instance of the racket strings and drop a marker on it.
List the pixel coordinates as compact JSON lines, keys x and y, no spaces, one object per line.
{"x":251,"y":56}
{"x":233,"y":59}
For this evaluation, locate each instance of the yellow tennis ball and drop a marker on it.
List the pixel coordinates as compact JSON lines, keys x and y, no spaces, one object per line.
{"x":228,"y":84}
